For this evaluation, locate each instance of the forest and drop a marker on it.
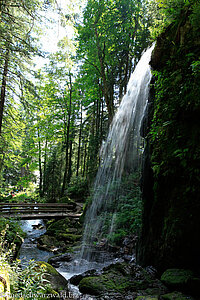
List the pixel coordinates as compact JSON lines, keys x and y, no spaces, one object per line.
{"x":132,"y":186}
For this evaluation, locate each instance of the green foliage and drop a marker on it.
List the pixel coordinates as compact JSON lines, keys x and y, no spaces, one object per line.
{"x":195,"y":15}
{"x":127,"y":219}
{"x":124,"y":209}
{"x":29,"y":280}
{"x":112,"y":33}
{"x":164,"y":13}
{"x":176,"y":94}
{"x":60,"y":226}
{"x":78,"y":188}
{"x":174,"y":146}
{"x":11,"y":237}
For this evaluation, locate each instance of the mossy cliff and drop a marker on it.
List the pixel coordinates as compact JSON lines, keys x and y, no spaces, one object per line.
{"x":171,"y":177}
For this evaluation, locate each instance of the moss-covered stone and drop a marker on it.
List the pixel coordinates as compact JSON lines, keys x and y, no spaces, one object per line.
{"x":91,"y":286}
{"x":57,"y":227}
{"x":68,"y":237}
{"x":46,"y":242}
{"x":147,"y":298}
{"x":105,"y":283}
{"x":176,"y":296}
{"x":121,"y":278}
{"x":176,"y":278}
{"x":57,"y":281}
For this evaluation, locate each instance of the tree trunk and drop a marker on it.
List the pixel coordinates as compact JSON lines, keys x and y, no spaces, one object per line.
{"x":79,"y":144}
{"x":45,"y":165}
{"x":84,"y":159}
{"x":109,"y":102}
{"x":67,"y":140}
{"x":70,"y":162}
{"x":3,"y":88}
{"x":40,"y":163}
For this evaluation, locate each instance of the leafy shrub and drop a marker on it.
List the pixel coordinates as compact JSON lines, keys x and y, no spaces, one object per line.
{"x":127,"y":219}
{"x":28,"y":281}
{"x":11,"y":237}
{"x":78,"y":188}
{"x":124,"y":209}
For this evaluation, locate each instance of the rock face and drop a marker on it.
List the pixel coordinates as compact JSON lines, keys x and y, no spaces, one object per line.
{"x":170,"y":184}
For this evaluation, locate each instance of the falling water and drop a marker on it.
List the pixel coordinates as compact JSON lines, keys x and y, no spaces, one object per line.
{"x":123,"y":139}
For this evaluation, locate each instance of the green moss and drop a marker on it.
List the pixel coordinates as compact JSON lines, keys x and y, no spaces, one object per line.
{"x":56,"y":280}
{"x":176,"y":296}
{"x":47,"y":241}
{"x":147,"y":298}
{"x":47,"y":268}
{"x":172,"y":213}
{"x":11,"y":234}
{"x":57,"y":227}
{"x":115,"y":278}
{"x":91,"y":286}
{"x":69,"y":237}
{"x":176,"y":277}
{"x":108,"y":283}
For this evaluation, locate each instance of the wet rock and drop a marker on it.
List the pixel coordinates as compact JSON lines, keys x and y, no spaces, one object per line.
{"x":92,"y":286}
{"x":55,"y":264}
{"x":56,"y":227}
{"x":147,"y":298}
{"x":57,"y":281}
{"x":38,"y":226}
{"x":177,"y":278}
{"x":69,"y":238}
{"x":128,"y":257}
{"x":120,"y":278}
{"x":176,"y":296}
{"x":46,"y":242}
{"x":55,"y":260}
{"x":75,"y":280}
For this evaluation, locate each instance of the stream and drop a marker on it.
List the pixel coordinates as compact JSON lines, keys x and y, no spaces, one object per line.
{"x":29,"y":251}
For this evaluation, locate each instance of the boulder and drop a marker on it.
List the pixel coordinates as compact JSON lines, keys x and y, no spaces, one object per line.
{"x":176,"y":296}
{"x":38,"y":226}
{"x":75,"y":280}
{"x":56,"y":280}
{"x":177,"y":279}
{"x":46,"y":242}
{"x":120,"y":278}
{"x":55,"y":260}
{"x":147,"y":298}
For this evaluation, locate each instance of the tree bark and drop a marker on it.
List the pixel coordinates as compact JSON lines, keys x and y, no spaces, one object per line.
{"x":44,"y":168}
{"x":3,"y":88}
{"x":109,"y":102}
{"x":69,"y":175}
{"x":40,"y":163}
{"x":67,"y":140}
{"x":79,"y":144}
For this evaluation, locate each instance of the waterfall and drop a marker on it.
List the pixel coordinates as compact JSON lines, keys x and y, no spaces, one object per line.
{"x":120,"y":151}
